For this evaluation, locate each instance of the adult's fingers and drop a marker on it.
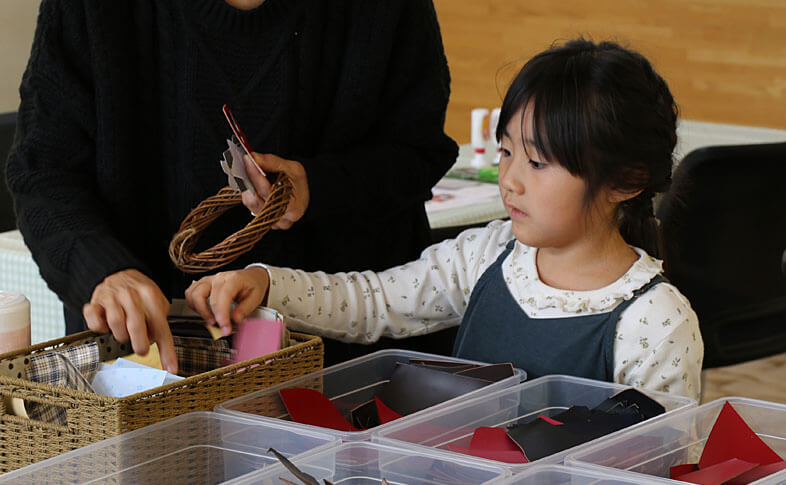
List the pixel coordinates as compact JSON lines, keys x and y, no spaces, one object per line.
{"x":95,"y":317}
{"x":258,"y":180}
{"x":156,"y":310}
{"x":298,"y":202}
{"x":136,"y":323}
{"x":115,"y":318}
{"x":133,"y":307}
{"x":253,"y":202}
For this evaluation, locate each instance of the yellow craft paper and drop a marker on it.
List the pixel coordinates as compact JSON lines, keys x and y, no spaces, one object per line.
{"x":151,"y":359}
{"x":215,"y":331}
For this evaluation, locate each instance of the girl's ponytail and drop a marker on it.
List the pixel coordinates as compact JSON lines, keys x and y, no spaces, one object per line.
{"x":639,"y":226}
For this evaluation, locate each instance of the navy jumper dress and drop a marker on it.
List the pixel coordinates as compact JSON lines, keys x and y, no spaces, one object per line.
{"x":496,"y":329}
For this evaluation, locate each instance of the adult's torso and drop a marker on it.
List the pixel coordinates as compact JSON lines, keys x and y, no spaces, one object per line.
{"x":162,"y":79}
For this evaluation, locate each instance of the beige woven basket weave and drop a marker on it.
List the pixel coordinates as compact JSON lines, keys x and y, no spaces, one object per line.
{"x":184,"y":241}
{"x":93,"y":417}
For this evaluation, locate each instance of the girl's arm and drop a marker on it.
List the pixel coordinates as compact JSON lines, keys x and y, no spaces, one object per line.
{"x":413,"y":299}
{"x":416,"y":298}
{"x":658,"y":345}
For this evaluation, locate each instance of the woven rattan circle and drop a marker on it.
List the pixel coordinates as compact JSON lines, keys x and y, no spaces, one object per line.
{"x":182,"y":245}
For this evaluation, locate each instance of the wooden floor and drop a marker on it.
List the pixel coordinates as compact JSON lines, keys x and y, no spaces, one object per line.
{"x":725,"y":60}
{"x":760,"y":379}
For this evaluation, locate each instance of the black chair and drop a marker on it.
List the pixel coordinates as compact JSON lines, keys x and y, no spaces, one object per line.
{"x":724,"y":230}
{"x":7,"y":130}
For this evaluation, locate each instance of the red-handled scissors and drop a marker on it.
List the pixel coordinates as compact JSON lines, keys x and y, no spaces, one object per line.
{"x":239,"y":134}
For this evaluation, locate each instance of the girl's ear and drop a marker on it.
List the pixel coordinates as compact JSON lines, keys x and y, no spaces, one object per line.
{"x":617,"y":196}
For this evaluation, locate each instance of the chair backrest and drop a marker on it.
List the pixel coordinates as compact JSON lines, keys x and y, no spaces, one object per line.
{"x":7,"y":130}
{"x":724,"y":231}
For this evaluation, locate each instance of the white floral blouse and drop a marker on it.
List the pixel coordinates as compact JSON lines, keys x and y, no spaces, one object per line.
{"x":658,"y":345}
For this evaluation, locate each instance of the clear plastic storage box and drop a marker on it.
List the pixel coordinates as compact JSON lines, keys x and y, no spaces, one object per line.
{"x":564,"y":475}
{"x":200,"y":447}
{"x":548,"y":395}
{"x":653,"y":448}
{"x":347,"y":385}
{"x":362,"y":462}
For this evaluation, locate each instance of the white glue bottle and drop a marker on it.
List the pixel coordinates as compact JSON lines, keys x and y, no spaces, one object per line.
{"x":494,"y":145}
{"x":480,"y":134}
{"x":14,"y":321}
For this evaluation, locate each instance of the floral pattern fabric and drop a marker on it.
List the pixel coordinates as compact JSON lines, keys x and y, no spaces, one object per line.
{"x":657,"y":343}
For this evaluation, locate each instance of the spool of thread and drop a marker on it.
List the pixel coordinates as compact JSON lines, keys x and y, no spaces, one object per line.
{"x":14,"y":321}
{"x":479,"y":136}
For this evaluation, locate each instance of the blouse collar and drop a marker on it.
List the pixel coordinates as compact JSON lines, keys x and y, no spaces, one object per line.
{"x":522,"y":273}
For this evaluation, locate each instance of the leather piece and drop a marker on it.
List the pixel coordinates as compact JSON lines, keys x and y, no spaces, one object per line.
{"x":731,"y":437}
{"x":311,"y":407}
{"x":384,"y":413}
{"x":493,"y":444}
{"x":543,"y":437}
{"x":413,"y":388}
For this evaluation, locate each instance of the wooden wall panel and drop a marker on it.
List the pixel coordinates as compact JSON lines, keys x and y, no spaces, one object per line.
{"x":725,"y":60}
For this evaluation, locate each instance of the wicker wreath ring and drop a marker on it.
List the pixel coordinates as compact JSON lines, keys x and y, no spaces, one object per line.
{"x":182,"y":245}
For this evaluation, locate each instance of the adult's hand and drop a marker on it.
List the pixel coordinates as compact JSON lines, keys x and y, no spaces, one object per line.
{"x":212,"y":296}
{"x":131,"y":306}
{"x":298,"y":203}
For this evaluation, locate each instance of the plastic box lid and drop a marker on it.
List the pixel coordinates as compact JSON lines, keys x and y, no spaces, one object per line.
{"x":547,"y":395}
{"x":654,"y":447}
{"x":199,"y":447}
{"x":362,"y":462}
{"x":347,"y":384}
{"x":565,"y":475}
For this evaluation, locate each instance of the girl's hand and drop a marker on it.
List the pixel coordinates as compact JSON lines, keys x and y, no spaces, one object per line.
{"x":298,"y":203}
{"x":212,"y":296}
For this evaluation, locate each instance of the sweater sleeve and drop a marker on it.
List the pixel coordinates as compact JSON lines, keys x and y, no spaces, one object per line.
{"x":52,"y":166}
{"x":396,"y":68}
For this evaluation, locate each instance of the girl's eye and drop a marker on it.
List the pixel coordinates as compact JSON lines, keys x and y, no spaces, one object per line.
{"x":504,"y":151}
{"x":536,"y":164}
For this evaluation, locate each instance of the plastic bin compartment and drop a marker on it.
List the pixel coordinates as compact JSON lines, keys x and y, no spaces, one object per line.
{"x":564,"y":475}
{"x":653,"y":448}
{"x":347,"y":385}
{"x":548,"y":396}
{"x":365,"y":463}
{"x":200,"y":447}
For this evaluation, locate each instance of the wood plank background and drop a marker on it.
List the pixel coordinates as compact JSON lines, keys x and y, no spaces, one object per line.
{"x":725,"y":60}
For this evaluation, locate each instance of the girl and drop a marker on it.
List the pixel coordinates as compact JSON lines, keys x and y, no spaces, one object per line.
{"x":567,"y":285}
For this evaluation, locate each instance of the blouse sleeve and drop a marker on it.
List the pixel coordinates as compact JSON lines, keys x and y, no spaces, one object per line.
{"x":416,"y":298}
{"x":658,"y":345}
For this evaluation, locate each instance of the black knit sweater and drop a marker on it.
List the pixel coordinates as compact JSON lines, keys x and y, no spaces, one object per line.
{"x":120,"y":130}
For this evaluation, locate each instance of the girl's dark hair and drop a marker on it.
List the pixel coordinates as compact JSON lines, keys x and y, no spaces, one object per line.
{"x":603,"y":113}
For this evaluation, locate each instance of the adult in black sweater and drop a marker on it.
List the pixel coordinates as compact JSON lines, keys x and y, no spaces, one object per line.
{"x":120,"y":131}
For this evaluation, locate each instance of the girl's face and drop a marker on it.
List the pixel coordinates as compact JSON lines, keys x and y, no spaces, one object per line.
{"x":544,"y":200}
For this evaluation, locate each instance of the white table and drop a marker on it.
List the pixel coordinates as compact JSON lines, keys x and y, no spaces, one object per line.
{"x":18,"y":271}
{"x":690,"y":135}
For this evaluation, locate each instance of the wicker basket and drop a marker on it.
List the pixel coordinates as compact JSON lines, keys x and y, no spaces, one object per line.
{"x":92,"y":417}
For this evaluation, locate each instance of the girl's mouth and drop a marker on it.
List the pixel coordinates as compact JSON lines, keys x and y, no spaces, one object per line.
{"x":514,"y":212}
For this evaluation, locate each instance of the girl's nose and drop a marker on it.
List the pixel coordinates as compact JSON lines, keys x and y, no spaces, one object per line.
{"x":510,"y":180}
